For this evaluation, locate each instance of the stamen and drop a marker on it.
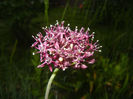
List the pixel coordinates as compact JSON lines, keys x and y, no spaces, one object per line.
{"x":33,"y":53}
{"x":60,"y":59}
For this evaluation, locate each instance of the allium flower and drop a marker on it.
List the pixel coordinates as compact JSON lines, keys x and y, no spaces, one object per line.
{"x":62,"y":47}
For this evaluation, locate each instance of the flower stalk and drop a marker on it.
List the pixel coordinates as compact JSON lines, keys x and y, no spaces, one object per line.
{"x":50,"y":82}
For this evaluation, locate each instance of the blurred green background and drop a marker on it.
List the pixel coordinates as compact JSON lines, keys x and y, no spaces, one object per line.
{"x":111,"y":77}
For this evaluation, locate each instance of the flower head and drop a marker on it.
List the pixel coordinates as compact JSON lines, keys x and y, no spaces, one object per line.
{"x":62,"y":47}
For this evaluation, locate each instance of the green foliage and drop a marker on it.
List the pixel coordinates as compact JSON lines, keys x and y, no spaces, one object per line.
{"x":46,"y":4}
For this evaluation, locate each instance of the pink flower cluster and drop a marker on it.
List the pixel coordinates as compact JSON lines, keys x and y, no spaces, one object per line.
{"x":62,"y":47}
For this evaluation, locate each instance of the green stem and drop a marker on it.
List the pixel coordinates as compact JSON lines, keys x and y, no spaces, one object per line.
{"x":46,"y":6}
{"x":50,"y":82}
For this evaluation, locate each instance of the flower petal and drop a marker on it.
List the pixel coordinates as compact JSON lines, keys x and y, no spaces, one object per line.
{"x":83,"y":66}
{"x":50,"y":68}
{"x":42,"y":65}
{"x":56,"y":45}
{"x":92,"y":61}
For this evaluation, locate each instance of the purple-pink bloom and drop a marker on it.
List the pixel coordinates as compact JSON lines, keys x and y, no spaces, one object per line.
{"x":62,"y":47}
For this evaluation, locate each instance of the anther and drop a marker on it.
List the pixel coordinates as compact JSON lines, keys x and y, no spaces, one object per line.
{"x":60,"y":59}
{"x":33,"y":53}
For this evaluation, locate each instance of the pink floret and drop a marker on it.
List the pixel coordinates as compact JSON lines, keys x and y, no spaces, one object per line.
{"x":62,"y":47}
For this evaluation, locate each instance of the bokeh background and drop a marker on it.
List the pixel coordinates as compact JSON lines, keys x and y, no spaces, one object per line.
{"x":111,"y":77}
